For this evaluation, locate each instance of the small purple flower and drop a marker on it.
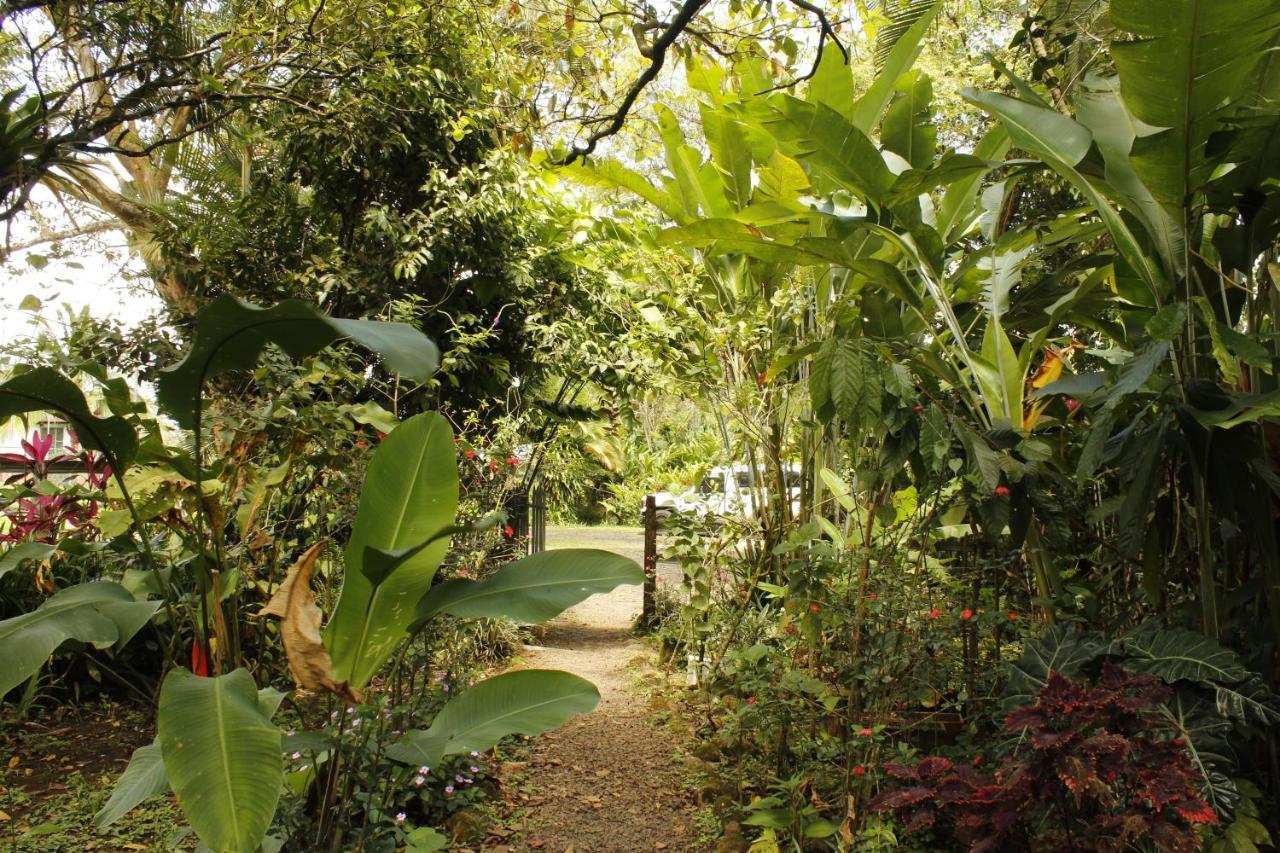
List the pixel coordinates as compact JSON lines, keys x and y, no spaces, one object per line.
{"x":291,"y":733}
{"x":400,"y":816}
{"x":355,"y":724}
{"x":424,"y":770}
{"x":296,"y":756}
{"x":444,"y":687}
{"x":333,"y":715}
{"x":351,"y":710}
{"x":418,"y":780}
{"x":459,"y":778}
{"x":474,"y":769}
{"x":448,"y":789}
{"x":475,"y":754}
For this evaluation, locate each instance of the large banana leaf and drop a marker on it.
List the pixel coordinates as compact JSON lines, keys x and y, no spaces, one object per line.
{"x":908,"y":128}
{"x":101,"y":614}
{"x":1062,"y":143}
{"x":525,"y":702}
{"x":142,"y":779}
{"x":410,"y":493}
{"x":221,"y":756}
{"x":533,"y":589}
{"x":1192,"y":61}
{"x":838,"y":153}
{"x":46,"y":390}
{"x":903,"y":48}
{"x":145,"y":776}
{"x":231,"y":334}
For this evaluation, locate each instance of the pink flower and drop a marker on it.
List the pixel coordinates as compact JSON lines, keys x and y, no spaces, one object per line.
{"x":934,"y":613}
{"x":966,"y":614}
{"x":470,"y":454}
{"x":1001,"y":491}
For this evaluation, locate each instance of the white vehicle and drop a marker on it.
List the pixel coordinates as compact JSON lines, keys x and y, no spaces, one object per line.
{"x":726,"y":490}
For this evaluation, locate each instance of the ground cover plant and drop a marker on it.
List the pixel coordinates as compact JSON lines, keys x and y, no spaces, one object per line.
{"x":948,"y":329}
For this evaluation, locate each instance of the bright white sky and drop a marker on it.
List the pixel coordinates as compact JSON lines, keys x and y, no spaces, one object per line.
{"x":92,"y":272}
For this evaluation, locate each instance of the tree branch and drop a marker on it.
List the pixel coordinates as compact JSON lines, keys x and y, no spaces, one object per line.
{"x":688,"y":10}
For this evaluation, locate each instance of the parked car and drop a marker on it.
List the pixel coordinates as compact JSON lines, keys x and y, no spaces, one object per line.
{"x":725,"y":490}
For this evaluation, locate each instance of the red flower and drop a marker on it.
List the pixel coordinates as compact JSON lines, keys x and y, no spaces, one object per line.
{"x":977,"y":760}
{"x":470,"y":454}
{"x":508,"y":531}
{"x":917,"y":408}
{"x":751,"y":700}
{"x":362,"y":444}
{"x":1072,"y":404}
{"x":934,"y":613}
{"x":966,"y":614}
{"x":199,"y":660}
{"x":381,"y":434}
{"x":762,"y":378}
{"x":1001,"y":491}
{"x":859,"y":771}
{"x":813,"y":608}
{"x":512,"y":461}
{"x":872,"y":596}
{"x":1013,"y":616}
{"x":865,"y":732}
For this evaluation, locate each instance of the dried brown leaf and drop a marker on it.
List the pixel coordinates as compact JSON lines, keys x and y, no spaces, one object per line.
{"x":295,"y":607}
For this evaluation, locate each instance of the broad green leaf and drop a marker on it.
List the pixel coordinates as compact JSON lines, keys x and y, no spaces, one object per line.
{"x":1100,"y":108}
{"x":908,"y":126}
{"x":1063,"y":649}
{"x":533,"y":589}
{"x":839,"y":489}
{"x":231,"y":334}
{"x":142,"y":779}
{"x":1191,"y":62}
{"x":1173,"y":654}
{"x":410,"y":493}
{"x":611,"y":174}
{"x":956,"y":212}
{"x":730,"y":154}
{"x":46,"y":390}
{"x":23,"y":551}
{"x":1062,"y":143}
{"x":221,"y":755}
{"x":900,"y":58}
{"x":837,"y":152}
{"x":371,"y":414}
{"x":99,"y":613}
{"x":524,"y":702}
{"x":832,"y":82}
{"x":700,"y":191}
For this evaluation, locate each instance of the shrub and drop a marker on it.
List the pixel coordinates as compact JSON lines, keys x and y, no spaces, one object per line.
{"x":1094,"y":768}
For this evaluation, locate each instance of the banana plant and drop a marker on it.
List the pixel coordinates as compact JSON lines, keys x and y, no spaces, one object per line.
{"x":1166,"y":153}
{"x":216,"y":748}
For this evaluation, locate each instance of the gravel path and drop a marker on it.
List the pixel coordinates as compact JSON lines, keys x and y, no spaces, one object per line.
{"x":605,"y":781}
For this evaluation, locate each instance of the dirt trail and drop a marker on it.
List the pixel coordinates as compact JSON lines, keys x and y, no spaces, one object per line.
{"x":605,"y":781}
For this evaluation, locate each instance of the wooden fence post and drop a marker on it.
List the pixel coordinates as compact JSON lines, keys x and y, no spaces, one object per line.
{"x":649,"y":611}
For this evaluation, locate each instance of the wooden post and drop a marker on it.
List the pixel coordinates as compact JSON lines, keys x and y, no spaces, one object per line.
{"x":649,"y":611}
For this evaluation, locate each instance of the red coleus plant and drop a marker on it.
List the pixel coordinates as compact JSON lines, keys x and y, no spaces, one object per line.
{"x":1096,"y":769}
